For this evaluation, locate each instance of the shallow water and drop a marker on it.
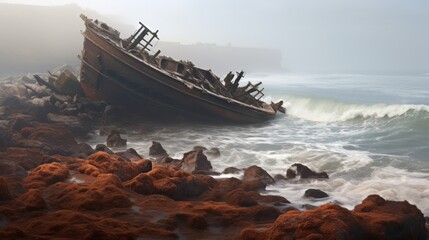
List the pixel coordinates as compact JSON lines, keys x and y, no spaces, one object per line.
{"x":369,"y":133}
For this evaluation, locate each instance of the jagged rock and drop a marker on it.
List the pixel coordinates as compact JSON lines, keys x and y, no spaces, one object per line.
{"x":68,"y":84}
{"x":114,"y":139}
{"x":194,"y":161}
{"x":303,"y":171}
{"x":255,"y":173}
{"x":214,"y":152}
{"x":315,"y":193}
{"x":156,"y":150}
{"x":130,"y":154}
{"x":103,"y":148}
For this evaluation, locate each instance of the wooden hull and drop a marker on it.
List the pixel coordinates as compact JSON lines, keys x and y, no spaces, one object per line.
{"x":109,"y":73}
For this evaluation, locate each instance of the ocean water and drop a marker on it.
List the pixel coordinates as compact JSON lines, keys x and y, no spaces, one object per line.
{"x":370,"y":133}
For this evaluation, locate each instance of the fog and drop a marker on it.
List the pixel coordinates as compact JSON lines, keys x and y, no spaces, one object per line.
{"x":331,"y":36}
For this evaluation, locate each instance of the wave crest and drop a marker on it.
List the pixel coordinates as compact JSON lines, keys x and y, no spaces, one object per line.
{"x":322,"y":110}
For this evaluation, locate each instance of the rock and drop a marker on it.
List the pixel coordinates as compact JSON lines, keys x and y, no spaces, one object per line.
{"x":33,"y":200}
{"x":130,"y":154}
{"x":70,"y":224}
{"x":303,"y":171}
{"x":56,"y":139}
{"x":45,"y":175}
{"x":256,"y":185}
{"x":4,"y":190}
{"x":101,"y":162}
{"x":178,"y":185}
{"x":104,"y":193}
{"x":194,"y":161}
{"x":231,"y":170}
{"x":315,"y":193}
{"x":213,"y":152}
{"x":254,"y":172}
{"x":103,"y":148}
{"x":142,"y":184}
{"x":68,"y":84}
{"x":239,"y":197}
{"x":206,"y":172}
{"x":27,"y":158}
{"x":144,"y":165}
{"x":156,"y":150}
{"x":114,"y":140}
{"x":375,"y":218}
{"x":20,"y":121}
{"x":279,"y":177}
{"x":383,"y":219}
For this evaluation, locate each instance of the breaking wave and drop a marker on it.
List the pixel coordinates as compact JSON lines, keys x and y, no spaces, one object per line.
{"x":324,"y":110}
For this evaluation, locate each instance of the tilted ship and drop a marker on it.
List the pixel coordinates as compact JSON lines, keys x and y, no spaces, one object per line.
{"x":124,"y":72}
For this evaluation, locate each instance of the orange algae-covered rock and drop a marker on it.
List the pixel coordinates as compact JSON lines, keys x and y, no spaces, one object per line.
{"x":33,"y":200}
{"x":102,"y":162}
{"x":28,"y":158}
{"x":67,"y":224}
{"x":104,"y":192}
{"x":375,"y":218}
{"x":142,"y":184}
{"x":45,"y":175}
{"x":177,"y":185}
{"x":390,"y":219}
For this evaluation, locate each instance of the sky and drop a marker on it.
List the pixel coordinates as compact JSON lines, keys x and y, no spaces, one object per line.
{"x":314,"y":36}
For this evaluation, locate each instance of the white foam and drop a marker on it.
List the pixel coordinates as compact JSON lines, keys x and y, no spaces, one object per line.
{"x":323,"y":110}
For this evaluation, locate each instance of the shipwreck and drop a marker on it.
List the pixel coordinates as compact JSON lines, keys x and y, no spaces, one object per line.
{"x":125,"y":72}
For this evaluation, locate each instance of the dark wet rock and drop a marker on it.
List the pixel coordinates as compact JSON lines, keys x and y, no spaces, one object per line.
{"x":279,"y":177}
{"x":156,"y":150}
{"x":303,"y":171}
{"x":83,"y":150}
{"x":206,"y":172}
{"x":315,"y":193}
{"x":103,"y":148}
{"x":198,"y":148}
{"x":114,"y":139}
{"x":231,"y":170}
{"x":4,"y":190}
{"x":213,"y":152}
{"x":255,"y":173}
{"x":194,"y":161}
{"x":239,"y":197}
{"x":255,"y":185}
{"x":20,"y":121}
{"x":68,"y":84}
{"x":130,"y":154}
{"x":144,"y":165}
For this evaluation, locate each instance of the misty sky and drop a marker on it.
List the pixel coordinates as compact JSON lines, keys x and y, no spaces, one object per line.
{"x":329,"y":36}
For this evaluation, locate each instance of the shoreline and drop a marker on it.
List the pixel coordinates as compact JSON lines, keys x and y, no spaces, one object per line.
{"x":52,"y":186}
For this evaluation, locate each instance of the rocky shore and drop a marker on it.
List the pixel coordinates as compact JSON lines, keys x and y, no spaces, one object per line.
{"x":52,"y":186}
